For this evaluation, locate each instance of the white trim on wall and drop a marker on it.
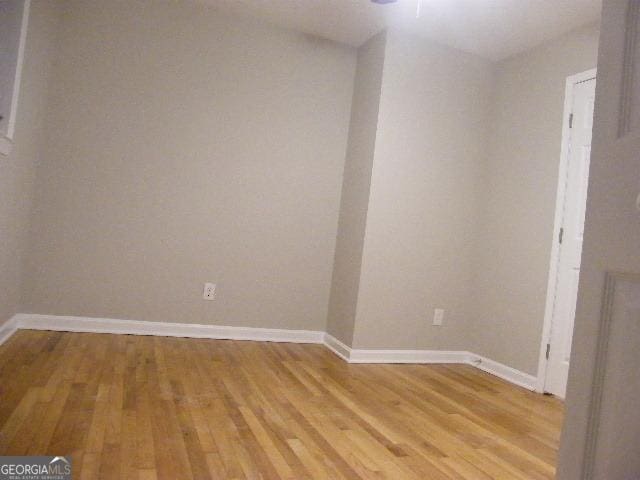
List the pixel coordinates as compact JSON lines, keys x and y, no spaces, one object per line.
{"x":408,"y":356}
{"x":500,"y":370}
{"x":557,"y":225}
{"x":8,"y":329}
{"x":217,"y":332}
{"x":11,"y":126}
{"x":337,"y":347}
{"x":6,"y":142}
{"x":162,"y":329}
{"x":504,"y":372}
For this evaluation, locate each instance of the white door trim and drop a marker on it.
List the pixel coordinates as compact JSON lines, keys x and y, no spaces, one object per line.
{"x":557,"y":224}
{"x":6,"y":141}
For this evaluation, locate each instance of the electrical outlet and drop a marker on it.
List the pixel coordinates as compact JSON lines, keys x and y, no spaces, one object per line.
{"x":438,"y":316}
{"x":209,"y":292}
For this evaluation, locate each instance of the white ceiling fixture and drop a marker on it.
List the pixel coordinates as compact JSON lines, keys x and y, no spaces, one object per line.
{"x":494,"y":29}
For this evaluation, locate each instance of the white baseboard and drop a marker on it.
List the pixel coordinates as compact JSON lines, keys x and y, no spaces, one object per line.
{"x":337,"y":347}
{"x":162,"y":329}
{"x":407,"y":356}
{"x":354,"y":355}
{"x":8,"y":329}
{"x":217,"y":332}
{"x":504,"y":372}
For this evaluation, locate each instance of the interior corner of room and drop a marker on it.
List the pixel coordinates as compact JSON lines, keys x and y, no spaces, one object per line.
{"x":354,"y":196}
{"x":400,"y":199}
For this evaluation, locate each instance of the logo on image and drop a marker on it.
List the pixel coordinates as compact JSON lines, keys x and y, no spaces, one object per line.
{"x":35,"y":468}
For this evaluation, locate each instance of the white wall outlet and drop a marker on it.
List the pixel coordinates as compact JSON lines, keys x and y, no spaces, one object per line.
{"x":438,"y":316}
{"x":209,"y":291}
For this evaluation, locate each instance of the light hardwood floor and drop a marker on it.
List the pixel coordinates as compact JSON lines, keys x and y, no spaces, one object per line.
{"x":130,"y":407}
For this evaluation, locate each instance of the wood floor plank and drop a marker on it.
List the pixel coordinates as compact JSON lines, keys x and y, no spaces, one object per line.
{"x":160,"y":408}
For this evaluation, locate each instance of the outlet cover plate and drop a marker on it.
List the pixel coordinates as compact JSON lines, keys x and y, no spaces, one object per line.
{"x":438,"y":317}
{"x":209,"y":292}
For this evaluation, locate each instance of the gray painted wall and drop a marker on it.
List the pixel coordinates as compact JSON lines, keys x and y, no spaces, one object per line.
{"x":462,"y":198}
{"x":197,"y":147}
{"x":424,"y":196}
{"x":18,"y":169}
{"x":355,"y":189}
{"x":513,"y":244}
{"x":189,"y":147}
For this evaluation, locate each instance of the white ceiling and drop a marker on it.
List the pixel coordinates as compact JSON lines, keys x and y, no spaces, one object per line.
{"x":493,"y":29}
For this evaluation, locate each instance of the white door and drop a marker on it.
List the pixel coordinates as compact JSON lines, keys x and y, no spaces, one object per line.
{"x":578,"y":154}
{"x":601,"y":434}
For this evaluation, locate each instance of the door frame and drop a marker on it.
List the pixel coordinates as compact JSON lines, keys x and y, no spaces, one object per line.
{"x":552,"y":281}
{"x":6,"y":140}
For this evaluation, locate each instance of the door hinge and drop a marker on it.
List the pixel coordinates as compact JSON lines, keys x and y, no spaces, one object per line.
{"x":548,"y":350}
{"x":571,"y":120}
{"x":561,"y":235}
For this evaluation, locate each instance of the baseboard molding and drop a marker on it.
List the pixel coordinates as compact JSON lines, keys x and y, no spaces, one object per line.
{"x":190,"y":330}
{"x":217,"y":332}
{"x":8,"y":329}
{"x":504,"y":372}
{"x":407,"y":356}
{"x":353,"y":355}
{"x":337,"y":347}
{"x":487,"y":365}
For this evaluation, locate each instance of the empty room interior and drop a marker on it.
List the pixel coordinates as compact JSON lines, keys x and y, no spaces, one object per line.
{"x":332,"y":239}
